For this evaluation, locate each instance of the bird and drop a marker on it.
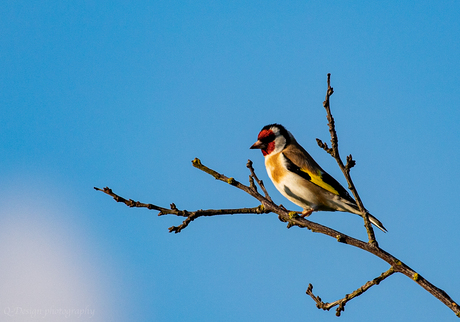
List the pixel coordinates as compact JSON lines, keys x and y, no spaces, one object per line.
{"x":299,"y":178}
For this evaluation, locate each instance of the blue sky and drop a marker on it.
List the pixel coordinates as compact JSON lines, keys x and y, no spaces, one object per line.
{"x":111,"y":93}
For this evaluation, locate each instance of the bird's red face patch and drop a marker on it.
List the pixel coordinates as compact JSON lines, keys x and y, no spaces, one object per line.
{"x":268,"y":138}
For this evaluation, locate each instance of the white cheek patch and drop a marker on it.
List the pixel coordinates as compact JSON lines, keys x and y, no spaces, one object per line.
{"x":280,"y":143}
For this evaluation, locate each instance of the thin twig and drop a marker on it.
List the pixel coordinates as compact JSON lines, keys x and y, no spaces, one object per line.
{"x":190,"y":215}
{"x":259,"y":182}
{"x":132,"y":203}
{"x":341,"y":303}
{"x":334,"y":151}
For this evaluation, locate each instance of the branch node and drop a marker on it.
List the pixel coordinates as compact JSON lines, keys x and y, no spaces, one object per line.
{"x":350,"y":163}
{"x":324,"y":146}
{"x":175,"y":229}
{"x":261,"y":209}
{"x":293,"y":214}
{"x":340,"y":308}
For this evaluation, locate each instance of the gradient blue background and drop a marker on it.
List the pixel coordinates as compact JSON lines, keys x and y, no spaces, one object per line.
{"x":125,"y":95}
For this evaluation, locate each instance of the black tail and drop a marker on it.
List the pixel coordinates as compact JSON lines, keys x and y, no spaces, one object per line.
{"x":376,"y":222}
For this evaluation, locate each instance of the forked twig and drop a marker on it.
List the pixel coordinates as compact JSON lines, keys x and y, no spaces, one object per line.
{"x":341,"y":303}
{"x":253,"y":176}
{"x":334,"y":151}
{"x":190,"y":215}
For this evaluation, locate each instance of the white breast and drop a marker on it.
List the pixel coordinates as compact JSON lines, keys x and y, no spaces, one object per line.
{"x":289,"y":184}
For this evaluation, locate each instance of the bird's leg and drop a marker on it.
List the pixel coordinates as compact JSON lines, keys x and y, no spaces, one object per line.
{"x":306,"y":213}
{"x":282,"y":207}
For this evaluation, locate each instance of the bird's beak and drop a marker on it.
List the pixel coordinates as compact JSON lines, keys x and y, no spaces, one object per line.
{"x":258,"y":145}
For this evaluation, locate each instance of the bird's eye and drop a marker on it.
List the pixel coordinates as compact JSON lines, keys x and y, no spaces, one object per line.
{"x":266,"y":136}
{"x":269,"y":138}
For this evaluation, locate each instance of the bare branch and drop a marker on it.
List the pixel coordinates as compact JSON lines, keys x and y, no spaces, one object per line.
{"x":293,"y":219}
{"x":324,"y":146}
{"x":190,"y":215}
{"x":334,"y":151}
{"x":259,"y":182}
{"x":341,"y":303}
{"x":132,"y":203}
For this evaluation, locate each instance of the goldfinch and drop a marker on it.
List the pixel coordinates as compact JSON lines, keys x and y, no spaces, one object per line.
{"x":299,"y":178}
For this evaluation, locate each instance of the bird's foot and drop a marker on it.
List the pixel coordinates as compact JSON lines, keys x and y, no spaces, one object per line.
{"x":306,"y":213}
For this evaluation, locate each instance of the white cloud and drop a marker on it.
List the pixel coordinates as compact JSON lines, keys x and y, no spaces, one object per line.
{"x":48,"y":270}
